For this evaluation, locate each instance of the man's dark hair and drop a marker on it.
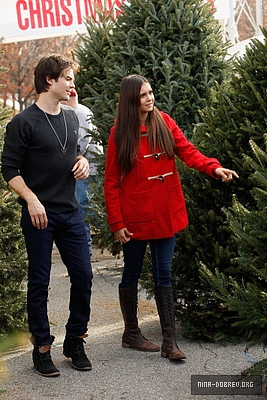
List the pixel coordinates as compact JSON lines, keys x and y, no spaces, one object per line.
{"x":51,"y":66}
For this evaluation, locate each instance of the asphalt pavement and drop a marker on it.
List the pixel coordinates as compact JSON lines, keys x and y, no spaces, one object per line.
{"x":118,"y":373}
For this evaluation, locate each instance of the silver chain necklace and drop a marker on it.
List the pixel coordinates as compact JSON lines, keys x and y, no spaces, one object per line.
{"x":63,"y":146}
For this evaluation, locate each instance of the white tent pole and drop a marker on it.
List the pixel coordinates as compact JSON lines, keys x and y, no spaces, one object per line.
{"x":231,"y":24}
{"x":259,"y":18}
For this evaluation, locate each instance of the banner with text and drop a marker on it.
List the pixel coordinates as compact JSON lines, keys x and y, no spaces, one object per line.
{"x":37,"y":19}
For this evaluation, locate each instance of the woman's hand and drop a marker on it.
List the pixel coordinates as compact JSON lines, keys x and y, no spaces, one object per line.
{"x":123,"y":235}
{"x":226,"y":174}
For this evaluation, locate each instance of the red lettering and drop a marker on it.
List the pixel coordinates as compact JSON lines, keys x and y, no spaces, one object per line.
{"x":89,"y":9}
{"x":47,"y":11}
{"x":68,"y":18}
{"x":212,"y":5}
{"x":21,"y":5}
{"x":98,"y":4}
{"x":98,"y":7}
{"x":118,"y":4}
{"x":57,"y":12}
{"x":115,"y":6}
{"x":36,"y":12}
{"x":93,"y":6}
{"x":79,"y":15}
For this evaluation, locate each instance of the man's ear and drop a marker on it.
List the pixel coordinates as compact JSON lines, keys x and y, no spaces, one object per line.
{"x":49,"y":80}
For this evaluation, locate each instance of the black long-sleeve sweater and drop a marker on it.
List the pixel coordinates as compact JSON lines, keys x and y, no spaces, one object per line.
{"x":32,"y":150}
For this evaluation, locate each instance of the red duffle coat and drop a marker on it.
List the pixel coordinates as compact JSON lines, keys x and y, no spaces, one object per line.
{"x":149,"y":200}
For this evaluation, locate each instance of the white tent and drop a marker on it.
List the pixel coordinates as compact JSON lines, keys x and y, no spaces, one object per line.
{"x":239,"y":48}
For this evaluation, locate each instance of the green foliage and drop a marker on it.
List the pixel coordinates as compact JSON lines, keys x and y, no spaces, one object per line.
{"x":247,"y":301}
{"x":256,"y":369}
{"x":237,"y":126}
{"x":13,"y":340}
{"x":13,"y":270}
{"x":93,"y":88}
{"x":177,"y":45}
{"x":233,"y":130}
{"x":248,"y":298}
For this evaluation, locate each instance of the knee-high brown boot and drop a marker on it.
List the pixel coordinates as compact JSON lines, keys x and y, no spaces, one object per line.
{"x":165,"y":306}
{"x":132,"y":336}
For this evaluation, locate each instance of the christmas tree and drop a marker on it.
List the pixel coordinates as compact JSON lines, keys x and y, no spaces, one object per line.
{"x":13,"y":271}
{"x":237,"y":126}
{"x":248,"y":297}
{"x":178,"y":46}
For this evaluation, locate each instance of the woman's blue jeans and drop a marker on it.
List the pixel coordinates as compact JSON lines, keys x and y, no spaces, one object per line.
{"x":68,"y":232}
{"x":162,"y":254}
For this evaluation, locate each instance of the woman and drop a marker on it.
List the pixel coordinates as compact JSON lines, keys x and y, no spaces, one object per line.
{"x":145,"y":202}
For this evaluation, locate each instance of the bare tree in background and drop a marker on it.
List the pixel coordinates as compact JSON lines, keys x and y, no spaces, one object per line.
{"x":21,"y":58}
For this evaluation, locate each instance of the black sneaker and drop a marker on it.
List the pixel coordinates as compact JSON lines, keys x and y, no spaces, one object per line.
{"x":43,"y":363}
{"x":73,"y":348}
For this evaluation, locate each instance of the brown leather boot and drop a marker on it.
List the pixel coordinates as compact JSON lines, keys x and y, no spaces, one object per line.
{"x":164,"y":301}
{"x":132,"y":337}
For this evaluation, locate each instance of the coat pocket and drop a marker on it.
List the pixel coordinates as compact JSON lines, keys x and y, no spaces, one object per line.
{"x":177,"y":199}
{"x":139,"y":207}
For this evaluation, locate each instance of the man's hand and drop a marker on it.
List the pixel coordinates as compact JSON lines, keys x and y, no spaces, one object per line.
{"x":36,"y":209}
{"x":37,"y":214}
{"x":81,"y":168}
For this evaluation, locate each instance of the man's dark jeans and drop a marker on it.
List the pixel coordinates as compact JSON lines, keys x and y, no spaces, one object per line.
{"x":68,"y":232}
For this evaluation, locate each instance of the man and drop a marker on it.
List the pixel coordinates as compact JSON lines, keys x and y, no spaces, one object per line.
{"x":87,"y":148}
{"x":41,"y":163}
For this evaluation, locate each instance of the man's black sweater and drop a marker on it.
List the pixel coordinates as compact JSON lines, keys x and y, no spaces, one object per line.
{"x":32,"y":150}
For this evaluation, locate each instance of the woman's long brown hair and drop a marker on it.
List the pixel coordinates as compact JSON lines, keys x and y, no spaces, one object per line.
{"x":128,"y":125}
